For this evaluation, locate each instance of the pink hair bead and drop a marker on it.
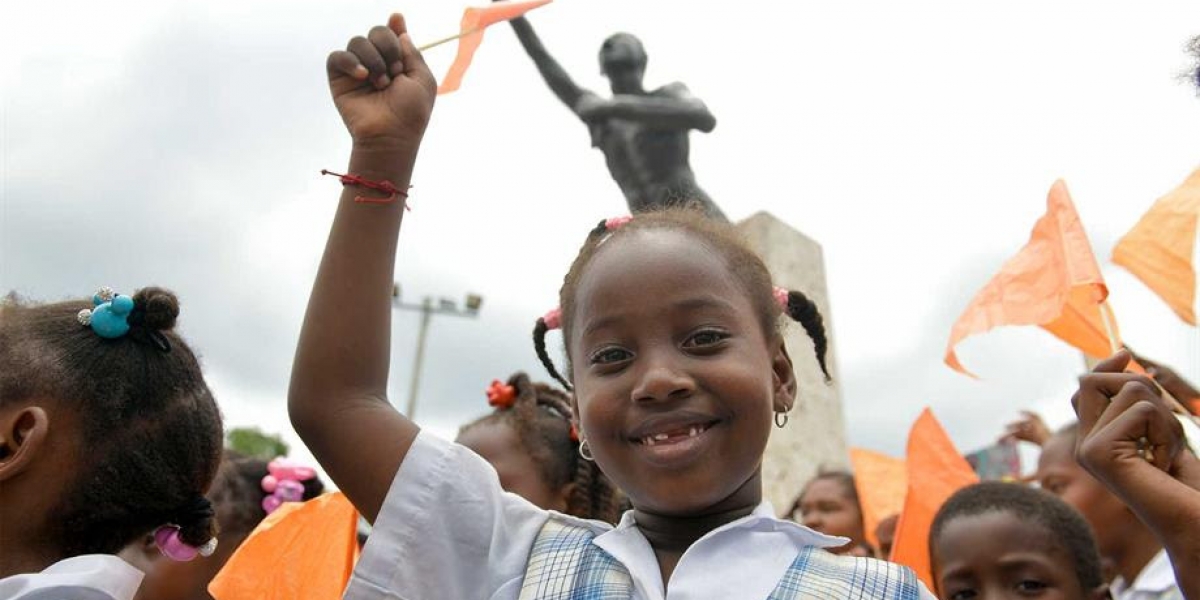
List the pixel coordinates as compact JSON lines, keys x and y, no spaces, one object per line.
{"x":617,"y":222}
{"x":553,"y":319}
{"x":781,"y":296}
{"x":168,"y":542}
{"x":269,"y":483}
{"x":290,"y":491}
{"x":282,"y":468}
{"x":271,"y":503}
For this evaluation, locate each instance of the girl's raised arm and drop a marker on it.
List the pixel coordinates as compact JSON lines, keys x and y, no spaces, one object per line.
{"x":338,"y":398}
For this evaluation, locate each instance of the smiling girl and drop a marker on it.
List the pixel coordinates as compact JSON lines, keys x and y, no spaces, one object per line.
{"x":678,"y":369}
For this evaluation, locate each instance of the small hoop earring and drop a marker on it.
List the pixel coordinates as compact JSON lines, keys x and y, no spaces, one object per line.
{"x":780,"y":422}
{"x":585,"y":452}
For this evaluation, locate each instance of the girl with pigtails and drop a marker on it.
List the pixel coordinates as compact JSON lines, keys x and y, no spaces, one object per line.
{"x":530,"y":440}
{"x":669,"y":325}
{"x":108,"y":433}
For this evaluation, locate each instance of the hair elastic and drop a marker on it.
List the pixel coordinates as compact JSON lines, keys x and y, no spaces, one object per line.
{"x":283,"y":483}
{"x":615,"y":223}
{"x":781,"y":296}
{"x":553,"y":319}
{"x":500,"y":395}
{"x":109,"y":317}
{"x":173,"y":547}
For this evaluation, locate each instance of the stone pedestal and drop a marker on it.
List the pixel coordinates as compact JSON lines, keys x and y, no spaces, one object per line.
{"x":815,"y":436}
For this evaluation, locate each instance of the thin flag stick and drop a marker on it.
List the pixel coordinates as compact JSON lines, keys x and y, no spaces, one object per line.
{"x":1106,"y":316}
{"x":444,"y":40}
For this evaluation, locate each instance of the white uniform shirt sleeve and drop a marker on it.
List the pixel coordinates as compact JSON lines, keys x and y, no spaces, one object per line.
{"x":446,"y":530}
{"x":925,"y":593}
{"x":85,"y":577}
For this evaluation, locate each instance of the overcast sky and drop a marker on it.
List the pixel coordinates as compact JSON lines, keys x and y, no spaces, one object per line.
{"x":179,"y":144}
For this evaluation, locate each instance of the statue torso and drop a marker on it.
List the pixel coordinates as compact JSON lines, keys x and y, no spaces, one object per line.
{"x":649,"y":164}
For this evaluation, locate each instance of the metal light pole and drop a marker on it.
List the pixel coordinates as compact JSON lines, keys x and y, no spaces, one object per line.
{"x":427,"y":309}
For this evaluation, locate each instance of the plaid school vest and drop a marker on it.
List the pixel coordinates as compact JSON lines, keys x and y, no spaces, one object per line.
{"x":565,"y":565}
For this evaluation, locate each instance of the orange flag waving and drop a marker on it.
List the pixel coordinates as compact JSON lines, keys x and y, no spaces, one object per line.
{"x":300,"y":551}
{"x":1053,"y":282}
{"x":1158,"y":250}
{"x":474,"y":21}
{"x":881,"y":482}
{"x":935,"y":471}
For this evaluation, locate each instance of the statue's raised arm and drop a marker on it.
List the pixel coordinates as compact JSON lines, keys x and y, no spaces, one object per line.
{"x":556,"y":77}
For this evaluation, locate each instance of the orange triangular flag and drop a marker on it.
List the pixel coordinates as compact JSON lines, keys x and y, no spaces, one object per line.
{"x":881,"y":482}
{"x":935,"y":471}
{"x":1158,"y":250}
{"x":474,"y":21}
{"x":300,"y":551}
{"x":1054,"y":282}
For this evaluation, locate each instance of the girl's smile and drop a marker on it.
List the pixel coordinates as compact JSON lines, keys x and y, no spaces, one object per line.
{"x":674,"y":440}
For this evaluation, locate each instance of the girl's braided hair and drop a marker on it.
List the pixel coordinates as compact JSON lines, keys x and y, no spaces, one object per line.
{"x":542,"y":417}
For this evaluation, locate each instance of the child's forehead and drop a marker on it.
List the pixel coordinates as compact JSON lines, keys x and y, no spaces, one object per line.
{"x":1000,"y":532}
{"x":653,"y":268}
{"x":652,"y":253}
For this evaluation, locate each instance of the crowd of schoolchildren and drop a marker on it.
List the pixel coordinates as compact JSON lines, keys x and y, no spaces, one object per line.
{"x":637,"y":475}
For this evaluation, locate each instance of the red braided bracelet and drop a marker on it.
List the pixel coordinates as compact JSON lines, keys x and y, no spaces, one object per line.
{"x":383,"y":186}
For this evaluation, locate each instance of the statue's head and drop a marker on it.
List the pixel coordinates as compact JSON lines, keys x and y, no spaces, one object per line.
{"x":623,"y":61}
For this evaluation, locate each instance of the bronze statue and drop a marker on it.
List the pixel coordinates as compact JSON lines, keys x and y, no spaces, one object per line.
{"x":643,"y":134}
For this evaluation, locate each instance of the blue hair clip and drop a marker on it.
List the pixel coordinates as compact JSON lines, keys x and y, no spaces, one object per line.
{"x":110,"y":317}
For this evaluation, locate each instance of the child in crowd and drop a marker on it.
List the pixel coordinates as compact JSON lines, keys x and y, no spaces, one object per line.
{"x":885,"y":533}
{"x":241,"y":502}
{"x":530,"y":441}
{"x":678,"y":370}
{"x":829,"y":504}
{"x":997,"y":540}
{"x":1142,"y":568}
{"x":1133,"y":444}
{"x":107,"y":432}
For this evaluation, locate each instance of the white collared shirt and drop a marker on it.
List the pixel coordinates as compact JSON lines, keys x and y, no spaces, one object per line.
{"x":86,"y":577}
{"x":448,"y":530}
{"x":1156,"y":581}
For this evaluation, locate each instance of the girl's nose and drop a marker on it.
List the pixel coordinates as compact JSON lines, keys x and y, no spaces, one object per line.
{"x":662,"y":381}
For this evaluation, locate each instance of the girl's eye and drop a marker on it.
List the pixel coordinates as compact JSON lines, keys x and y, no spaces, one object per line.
{"x":1030,"y":586}
{"x":708,"y":337}
{"x":962,"y":595}
{"x":607,"y":356}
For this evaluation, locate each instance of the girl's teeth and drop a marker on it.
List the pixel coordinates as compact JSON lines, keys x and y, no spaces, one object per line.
{"x":652,"y":440}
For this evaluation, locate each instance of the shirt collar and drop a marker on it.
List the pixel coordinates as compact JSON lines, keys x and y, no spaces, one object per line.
{"x":1157,"y":576}
{"x":762,"y":518}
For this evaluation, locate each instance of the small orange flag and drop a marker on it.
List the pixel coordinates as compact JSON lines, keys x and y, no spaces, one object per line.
{"x":935,"y":471}
{"x":300,"y":551}
{"x":1158,"y":250}
{"x":474,"y":21}
{"x":881,"y":482}
{"x":1053,"y":282}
